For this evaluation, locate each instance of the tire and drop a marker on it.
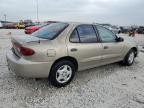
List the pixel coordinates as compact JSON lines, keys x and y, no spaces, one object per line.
{"x":129,"y":58}
{"x":62,"y":73}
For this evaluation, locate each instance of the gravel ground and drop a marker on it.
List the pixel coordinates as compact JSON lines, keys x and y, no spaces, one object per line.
{"x":110,"y":86}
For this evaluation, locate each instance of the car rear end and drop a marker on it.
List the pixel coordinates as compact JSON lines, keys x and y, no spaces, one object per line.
{"x":33,"y":56}
{"x":22,"y":59}
{"x":28,"y":30}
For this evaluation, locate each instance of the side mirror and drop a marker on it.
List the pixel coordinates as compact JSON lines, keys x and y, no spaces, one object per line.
{"x":119,"y":39}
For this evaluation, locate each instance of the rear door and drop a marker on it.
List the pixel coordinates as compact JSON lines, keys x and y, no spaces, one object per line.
{"x":112,"y":50}
{"x":85,"y":47}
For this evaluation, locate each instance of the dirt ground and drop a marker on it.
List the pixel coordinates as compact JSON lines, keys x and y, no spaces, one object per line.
{"x":110,"y":86}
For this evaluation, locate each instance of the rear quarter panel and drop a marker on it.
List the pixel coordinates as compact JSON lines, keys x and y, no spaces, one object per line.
{"x":49,"y":50}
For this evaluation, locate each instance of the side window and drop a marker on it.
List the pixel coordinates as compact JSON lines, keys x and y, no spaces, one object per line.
{"x":106,"y":35}
{"x":86,"y":34}
{"x":74,"y":37}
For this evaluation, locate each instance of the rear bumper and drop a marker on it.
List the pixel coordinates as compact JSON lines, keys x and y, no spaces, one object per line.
{"x":26,"y":68}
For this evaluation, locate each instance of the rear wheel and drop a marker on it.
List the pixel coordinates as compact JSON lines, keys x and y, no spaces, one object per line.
{"x":62,"y":73}
{"x":129,"y":59}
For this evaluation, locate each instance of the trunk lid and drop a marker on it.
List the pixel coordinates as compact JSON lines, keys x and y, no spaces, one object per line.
{"x":22,"y":41}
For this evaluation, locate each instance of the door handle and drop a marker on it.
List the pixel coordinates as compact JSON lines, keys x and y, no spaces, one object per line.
{"x":73,"y":49}
{"x":106,"y":47}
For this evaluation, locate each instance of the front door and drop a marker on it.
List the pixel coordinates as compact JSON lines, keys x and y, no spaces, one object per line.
{"x":112,"y":50}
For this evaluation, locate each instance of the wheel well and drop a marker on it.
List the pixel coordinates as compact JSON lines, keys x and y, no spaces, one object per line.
{"x":135,"y":49}
{"x":73,"y":60}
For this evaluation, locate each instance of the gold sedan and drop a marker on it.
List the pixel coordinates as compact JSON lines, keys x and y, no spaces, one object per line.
{"x":58,"y":50}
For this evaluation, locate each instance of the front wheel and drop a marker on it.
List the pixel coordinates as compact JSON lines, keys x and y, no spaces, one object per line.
{"x":129,"y":59}
{"x":62,"y":73}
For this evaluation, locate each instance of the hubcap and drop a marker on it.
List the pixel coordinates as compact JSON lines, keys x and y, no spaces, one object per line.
{"x":63,"y":74}
{"x":131,"y":57}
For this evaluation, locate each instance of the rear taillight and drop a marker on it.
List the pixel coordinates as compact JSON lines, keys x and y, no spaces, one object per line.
{"x":24,"y":50}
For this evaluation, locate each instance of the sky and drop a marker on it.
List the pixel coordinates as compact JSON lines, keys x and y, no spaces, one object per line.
{"x":117,"y":12}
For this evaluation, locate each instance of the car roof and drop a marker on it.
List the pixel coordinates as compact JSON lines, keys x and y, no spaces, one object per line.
{"x":78,"y":23}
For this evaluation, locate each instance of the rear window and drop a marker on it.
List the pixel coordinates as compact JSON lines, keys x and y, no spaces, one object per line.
{"x":50,"y":31}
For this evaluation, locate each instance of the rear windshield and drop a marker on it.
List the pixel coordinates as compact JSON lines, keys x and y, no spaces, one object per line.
{"x":50,"y":31}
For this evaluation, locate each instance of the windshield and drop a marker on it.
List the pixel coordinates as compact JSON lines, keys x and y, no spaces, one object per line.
{"x":50,"y":31}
